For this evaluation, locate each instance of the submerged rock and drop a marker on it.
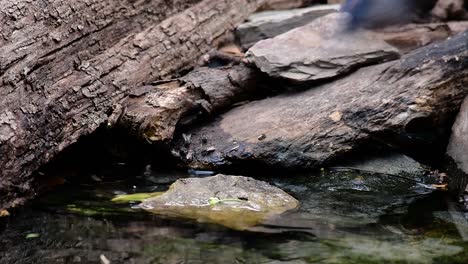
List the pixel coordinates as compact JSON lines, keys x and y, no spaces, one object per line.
{"x":389,"y":163}
{"x":233,"y":201}
{"x":321,"y":49}
{"x":269,"y":24}
{"x":347,"y":199}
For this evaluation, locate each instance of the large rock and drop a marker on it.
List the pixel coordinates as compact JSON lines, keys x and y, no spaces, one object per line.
{"x":392,"y":102}
{"x":319,"y":50}
{"x":458,"y":146}
{"x":458,"y":151}
{"x":269,"y":24}
{"x":233,"y":201}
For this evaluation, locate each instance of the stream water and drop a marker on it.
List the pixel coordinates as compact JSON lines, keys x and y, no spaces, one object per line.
{"x":344,"y":218}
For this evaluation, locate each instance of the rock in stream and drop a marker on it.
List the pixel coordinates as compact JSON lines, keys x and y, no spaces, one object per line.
{"x":232,"y":201}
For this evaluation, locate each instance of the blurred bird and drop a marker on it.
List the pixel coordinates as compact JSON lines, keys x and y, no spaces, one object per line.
{"x":377,"y":13}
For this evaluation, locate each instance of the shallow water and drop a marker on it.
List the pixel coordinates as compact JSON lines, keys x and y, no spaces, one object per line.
{"x":344,"y":218}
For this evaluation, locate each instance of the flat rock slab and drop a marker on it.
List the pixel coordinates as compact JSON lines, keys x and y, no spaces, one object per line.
{"x":233,"y":201}
{"x":314,"y":127}
{"x":268,"y":24}
{"x":321,"y":49}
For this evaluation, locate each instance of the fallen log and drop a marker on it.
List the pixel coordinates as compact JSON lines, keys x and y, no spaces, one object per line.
{"x":155,"y":111}
{"x":308,"y":129}
{"x":66,"y":66}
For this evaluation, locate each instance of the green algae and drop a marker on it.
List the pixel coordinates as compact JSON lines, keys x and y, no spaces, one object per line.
{"x":134,"y":197}
{"x":98,"y":210}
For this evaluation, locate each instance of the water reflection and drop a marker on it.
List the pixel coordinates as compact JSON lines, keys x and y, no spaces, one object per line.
{"x":344,"y":218}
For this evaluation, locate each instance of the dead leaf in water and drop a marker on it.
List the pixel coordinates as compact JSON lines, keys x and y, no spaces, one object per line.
{"x":32,"y":235}
{"x":440,"y":186}
{"x":4,"y":213}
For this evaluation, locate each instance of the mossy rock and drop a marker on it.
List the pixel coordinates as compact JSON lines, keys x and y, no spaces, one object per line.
{"x":233,"y":201}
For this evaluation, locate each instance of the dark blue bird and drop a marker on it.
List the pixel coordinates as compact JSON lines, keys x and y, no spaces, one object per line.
{"x":375,"y":13}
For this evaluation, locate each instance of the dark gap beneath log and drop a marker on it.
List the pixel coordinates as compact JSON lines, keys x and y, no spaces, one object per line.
{"x":102,"y":152}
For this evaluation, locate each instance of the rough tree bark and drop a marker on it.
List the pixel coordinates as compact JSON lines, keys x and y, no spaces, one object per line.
{"x":65,"y":67}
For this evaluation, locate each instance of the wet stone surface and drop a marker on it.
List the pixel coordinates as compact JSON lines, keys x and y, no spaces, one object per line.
{"x":232,"y":201}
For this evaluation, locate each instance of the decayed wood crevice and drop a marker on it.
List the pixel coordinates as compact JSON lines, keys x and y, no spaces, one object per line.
{"x":315,"y":127}
{"x":153,"y":112}
{"x":66,"y":66}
